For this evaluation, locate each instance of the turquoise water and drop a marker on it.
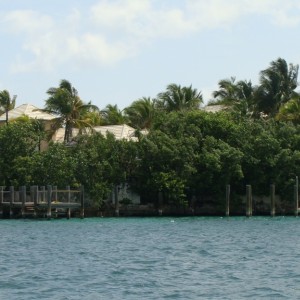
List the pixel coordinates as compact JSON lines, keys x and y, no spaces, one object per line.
{"x":151,"y":258}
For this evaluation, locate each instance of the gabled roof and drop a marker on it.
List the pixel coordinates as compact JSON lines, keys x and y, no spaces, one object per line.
{"x":28,"y":110}
{"x":214,"y":108}
{"x":119,"y":131}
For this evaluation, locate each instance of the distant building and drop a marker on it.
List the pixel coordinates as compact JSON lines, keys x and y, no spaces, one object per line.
{"x":31,"y":112}
{"x":28,"y":110}
{"x":119,"y":131}
{"x":214,"y":108}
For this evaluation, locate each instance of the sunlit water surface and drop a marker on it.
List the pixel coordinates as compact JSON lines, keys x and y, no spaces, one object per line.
{"x":151,"y":258}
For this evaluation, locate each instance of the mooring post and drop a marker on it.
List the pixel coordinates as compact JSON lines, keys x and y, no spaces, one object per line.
{"x":34,"y":193}
{"x":248,"y":200}
{"x":117,"y":212}
{"x":43,"y":190}
{"x":160,"y":203}
{"x":193,"y":203}
{"x":69,"y":200}
{"x":12,"y":200}
{"x":23,"y":197}
{"x":54,"y":191}
{"x":31,"y":190}
{"x":1,"y":201}
{"x":227,"y":200}
{"x":49,"y":198}
{"x":55,"y":200}
{"x":296,"y":196}
{"x":272,"y":199}
{"x":82,"y":202}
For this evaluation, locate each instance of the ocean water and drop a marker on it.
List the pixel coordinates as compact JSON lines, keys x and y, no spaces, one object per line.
{"x":150,"y":258}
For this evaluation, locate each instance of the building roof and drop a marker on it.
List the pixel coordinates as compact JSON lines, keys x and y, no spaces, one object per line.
{"x":214,"y":108}
{"x":119,"y":131}
{"x":28,"y":110}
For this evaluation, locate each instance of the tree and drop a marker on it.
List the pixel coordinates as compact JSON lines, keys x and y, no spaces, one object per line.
{"x":17,"y":140}
{"x":56,"y":166}
{"x":141,"y":113}
{"x":37,"y":125}
{"x":65,"y":102}
{"x":166,"y":166}
{"x":6,"y":103}
{"x":277,"y":86}
{"x":237,"y":96}
{"x":96,"y":165}
{"x":177,"y":98}
{"x":94,"y":118}
{"x":112,"y":115}
{"x":227,"y":93}
{"x":290,"y":111}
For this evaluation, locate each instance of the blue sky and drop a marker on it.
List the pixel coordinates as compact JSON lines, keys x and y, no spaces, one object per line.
{"x":116,"y":51}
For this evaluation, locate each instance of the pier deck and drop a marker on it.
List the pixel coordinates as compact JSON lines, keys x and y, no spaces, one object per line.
{"x":41,"y":202}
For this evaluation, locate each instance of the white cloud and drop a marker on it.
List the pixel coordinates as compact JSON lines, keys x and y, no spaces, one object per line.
{"x":120,"y":13}
{"x":139,"y":18}
{"x":113,"y":30}
{"x":217,"y":13}
{"x":95,"y":48}
{"x":212,"y":14}
{"x":26,"y":21}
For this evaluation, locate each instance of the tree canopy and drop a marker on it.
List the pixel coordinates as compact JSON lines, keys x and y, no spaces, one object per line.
{"x":6,"y":103}
{"x":70,"y":109}
{"x":187,"y":152}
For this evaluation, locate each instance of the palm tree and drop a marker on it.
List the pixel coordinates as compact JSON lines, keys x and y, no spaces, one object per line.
{"x":141,"y":113}
{"x":227,"y":92}
{"x":237,"y":96}
{"x":93,"y":117}
{"x":112,"y":115}
{"x":177,"y":98}
{"x":290,"y":111}
{"x":71,"y":110}
{"x":277,"y":85}
{"x":6,"y":103}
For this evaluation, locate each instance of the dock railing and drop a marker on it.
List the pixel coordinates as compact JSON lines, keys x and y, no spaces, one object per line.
{"x":36,"y":201}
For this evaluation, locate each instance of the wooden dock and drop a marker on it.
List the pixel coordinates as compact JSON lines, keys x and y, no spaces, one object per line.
{"x":41,"y":202}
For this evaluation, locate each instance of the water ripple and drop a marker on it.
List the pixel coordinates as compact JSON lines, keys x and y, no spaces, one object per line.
{"x":150,"y":258}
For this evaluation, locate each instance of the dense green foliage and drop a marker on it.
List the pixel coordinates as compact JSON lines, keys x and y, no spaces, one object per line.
{"x":187,"y":153}
{"x":70,"y":109}
{"x":6,"y":103}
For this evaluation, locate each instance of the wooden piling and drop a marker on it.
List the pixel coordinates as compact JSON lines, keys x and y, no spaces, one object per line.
{"x":192,"y":205}
{"x":272,"y":200}
{"x":11,"y":200}
{"x":1,"y":201}
{"x":44,"y":198}
{"x":23,"y":200}
{"x":296,"y":200}
{"x":227,"y":200}
{"x":248,"y":200}
{"x":31,"y":190}
{"x":54,"y":195}
{"x":34,"y":196}
{"x":160,"y":203}
{"x":49,"y":199}
{"x":82,"y":202}
{"x":69,"y":200}
{"x":116,"y":201}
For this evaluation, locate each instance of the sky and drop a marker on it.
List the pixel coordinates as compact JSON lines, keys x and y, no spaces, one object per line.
{"x":117,"y":51}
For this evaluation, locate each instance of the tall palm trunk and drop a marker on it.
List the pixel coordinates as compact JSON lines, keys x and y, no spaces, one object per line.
{"x":68,"y":133}
{"x":6,"y":115}
{"x":7,"y":103}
